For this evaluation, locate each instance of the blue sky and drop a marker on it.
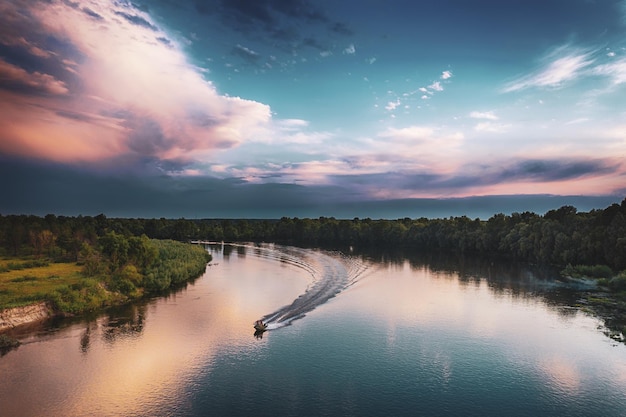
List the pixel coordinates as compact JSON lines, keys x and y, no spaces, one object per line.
{"x":275,"y":108}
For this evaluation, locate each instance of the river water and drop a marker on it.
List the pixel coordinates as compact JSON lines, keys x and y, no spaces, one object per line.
{"x":350,"y":335}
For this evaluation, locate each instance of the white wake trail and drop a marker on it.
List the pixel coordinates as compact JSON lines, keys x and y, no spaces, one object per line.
{"x":331,"y":273}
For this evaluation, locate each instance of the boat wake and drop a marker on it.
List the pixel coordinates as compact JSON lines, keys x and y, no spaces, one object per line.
{"x":331,"y":273}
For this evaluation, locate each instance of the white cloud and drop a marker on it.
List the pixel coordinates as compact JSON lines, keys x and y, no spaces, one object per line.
{"x":489,"y":115}
{"x":491,"y":127}
{"x":350,"y":49}
{"x":616,"y":71}
{"x":446,"y":75}
{"x":410,"y":133}
{"x":292,"y":124}
{"x":577,"y":121}
{"x":392,"y":105}
{"x":436,"y":86}
{"x":562,"y":66}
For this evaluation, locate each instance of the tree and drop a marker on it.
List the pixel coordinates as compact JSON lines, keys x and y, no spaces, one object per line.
{"x":115,"y":247}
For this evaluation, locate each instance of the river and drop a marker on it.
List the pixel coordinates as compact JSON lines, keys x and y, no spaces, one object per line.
{"x":350,"y":335}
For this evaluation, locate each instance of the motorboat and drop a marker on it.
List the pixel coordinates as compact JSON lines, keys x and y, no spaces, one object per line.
{"x":259,"y":326}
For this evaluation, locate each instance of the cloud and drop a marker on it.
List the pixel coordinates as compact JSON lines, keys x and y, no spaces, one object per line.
{"x":547,"y":170}
{"x":516,"y":175}
{"x":392,"y":105}
{"x":489,"y":115}
{"x":314,"y":43}
{"x":134,"y":19}
{"x":277,"y":23}
{"x":409,"y":133}
{"x":16,"y":78}
{"x":114,"y":91}
{"x":561,"y":66}
{"x":491,"y":127}
{"x":341,"y":28}
{"x":446,"y":75}
{"x":246,"y":53}
{"x":72,"y":191}
{"x":616,"y":71}
{"x":488,"y":124}
{"x":92,"y":14}
{"x":436,"y":86}
{"x":350,"y":49}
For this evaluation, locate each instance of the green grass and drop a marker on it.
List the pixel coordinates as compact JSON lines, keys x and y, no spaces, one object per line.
{"x":70,"y":290}
{"x":19,"y":287}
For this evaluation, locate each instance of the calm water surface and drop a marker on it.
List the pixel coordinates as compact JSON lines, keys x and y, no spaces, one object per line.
{"x":350,"y":336}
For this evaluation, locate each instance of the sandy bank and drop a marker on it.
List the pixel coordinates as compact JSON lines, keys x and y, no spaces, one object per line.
{"x":17,"y":316}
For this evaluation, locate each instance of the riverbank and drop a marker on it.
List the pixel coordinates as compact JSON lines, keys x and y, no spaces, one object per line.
{"x":608,"y":307}
{"x":17,"y":316}
{"x":33,"y":291}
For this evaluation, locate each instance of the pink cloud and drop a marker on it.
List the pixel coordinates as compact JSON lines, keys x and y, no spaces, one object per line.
{"x":45,"y":83}
{"x":131,"y":93}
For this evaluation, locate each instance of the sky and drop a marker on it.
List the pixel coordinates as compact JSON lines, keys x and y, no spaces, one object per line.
{"x":271,"y":108}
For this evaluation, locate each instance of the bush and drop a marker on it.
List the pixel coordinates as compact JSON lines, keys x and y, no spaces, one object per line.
{"x":125,"y":287}
{"x":177,"y":262}
{"x":86,"y":295}
{"x":618,"y":283}
{"x":7,"y":343}
{"x":587,"y":271}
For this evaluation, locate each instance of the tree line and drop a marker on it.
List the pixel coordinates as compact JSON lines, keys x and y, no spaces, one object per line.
{"x":559,"y":237}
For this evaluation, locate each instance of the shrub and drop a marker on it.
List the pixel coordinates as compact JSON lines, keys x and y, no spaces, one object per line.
{"x":587,"y":271}
{"x":618,"y":283}
{"x":86,"y":295}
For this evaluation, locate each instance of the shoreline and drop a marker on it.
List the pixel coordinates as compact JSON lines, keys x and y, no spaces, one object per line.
{"x":13,"y":317}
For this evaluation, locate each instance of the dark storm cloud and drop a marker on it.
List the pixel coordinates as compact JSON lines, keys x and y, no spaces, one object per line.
{"x":42,"y":188}
{"x":314,"y":43}
{"x":282,"y":20}
{"x":268,"y":12}
{"x":553,"y":170}
{"x":535,"y":170}
{"x":72,"y":191}
{"x":341,"y":28}
{"x":146,"y":136}
{"x":136,"y":20}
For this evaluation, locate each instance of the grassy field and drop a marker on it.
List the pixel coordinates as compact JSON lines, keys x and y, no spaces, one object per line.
{"x":20,"y":287}
{"x":110,"y":277}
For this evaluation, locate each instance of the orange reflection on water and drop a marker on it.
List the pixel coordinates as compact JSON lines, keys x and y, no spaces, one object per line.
{"x":139,"y":361}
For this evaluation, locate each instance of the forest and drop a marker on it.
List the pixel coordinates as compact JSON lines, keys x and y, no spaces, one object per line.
{"x":560,"y":237}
